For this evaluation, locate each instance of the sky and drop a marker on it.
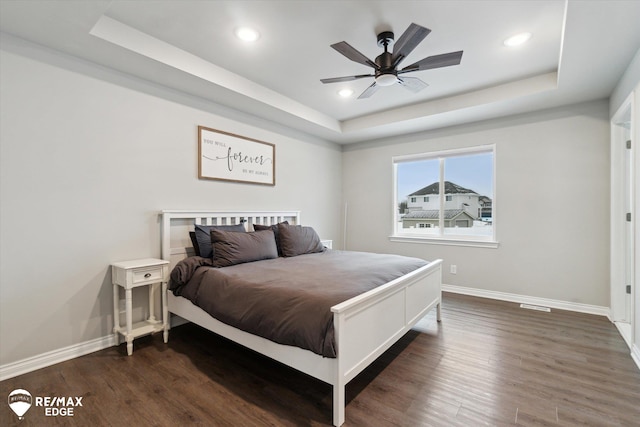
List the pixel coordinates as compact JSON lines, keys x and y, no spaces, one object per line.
{"x":474,"y":172}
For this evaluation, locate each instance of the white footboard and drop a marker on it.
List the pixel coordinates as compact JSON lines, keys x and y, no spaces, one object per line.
{"x":367,"y":325}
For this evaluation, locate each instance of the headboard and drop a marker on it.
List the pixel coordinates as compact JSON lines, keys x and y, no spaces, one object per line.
{"x":176,"y":225}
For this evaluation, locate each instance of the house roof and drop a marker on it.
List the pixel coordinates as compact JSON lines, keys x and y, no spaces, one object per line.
{"x":449,"y":188}
{"x":434,"y":213}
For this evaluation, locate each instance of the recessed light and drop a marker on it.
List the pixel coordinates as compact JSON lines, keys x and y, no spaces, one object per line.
{"x":247,"y":34}
{"x":345,"y":93}
{"x":517,"y":40}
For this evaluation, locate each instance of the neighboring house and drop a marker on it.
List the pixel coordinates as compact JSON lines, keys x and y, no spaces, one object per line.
{"x":456,"y":198}
{"x":429,"y":218}
{"x":486,"y":205}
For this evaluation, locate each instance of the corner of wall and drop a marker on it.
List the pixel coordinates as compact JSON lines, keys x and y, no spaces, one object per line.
{"x":629,"y":80}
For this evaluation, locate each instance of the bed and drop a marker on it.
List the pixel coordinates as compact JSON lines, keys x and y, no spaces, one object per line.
{"x":359,"y":337}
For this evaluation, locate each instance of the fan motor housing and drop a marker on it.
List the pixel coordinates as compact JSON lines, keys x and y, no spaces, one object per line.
{"x":386,"y":75}
{"x":384,"y":60}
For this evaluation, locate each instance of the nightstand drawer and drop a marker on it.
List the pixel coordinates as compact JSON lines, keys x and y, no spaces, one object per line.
{"x":153,"y":274}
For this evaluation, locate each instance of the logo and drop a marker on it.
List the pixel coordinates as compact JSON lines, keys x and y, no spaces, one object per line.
{"x":20,"y":402}
{"x":58,"y":406}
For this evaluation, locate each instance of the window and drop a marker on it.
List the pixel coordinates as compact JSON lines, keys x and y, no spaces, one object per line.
{"x":466,"y":213}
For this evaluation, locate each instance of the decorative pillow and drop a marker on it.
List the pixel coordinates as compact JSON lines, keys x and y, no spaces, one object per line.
{"x":274,"y":228}
{"x":231,"y":248}
{"x":203,"y":236}
{"x":298,"y":240}
{"x":194,"y":242}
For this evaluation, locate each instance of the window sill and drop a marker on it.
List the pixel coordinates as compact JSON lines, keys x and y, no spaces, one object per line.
{"x":445,"y":241}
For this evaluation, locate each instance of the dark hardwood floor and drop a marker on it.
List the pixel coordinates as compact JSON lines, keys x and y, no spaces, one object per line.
{"x":488,"y":363}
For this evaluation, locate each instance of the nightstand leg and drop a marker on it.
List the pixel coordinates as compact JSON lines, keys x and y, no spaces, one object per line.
{"x":165,"y":312}
{"x":129,"y":308}
{"x":152,"y":303}
{"x":116,"y":313}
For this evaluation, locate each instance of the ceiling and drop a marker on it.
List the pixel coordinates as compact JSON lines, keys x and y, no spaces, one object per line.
{"x":578,"y":52}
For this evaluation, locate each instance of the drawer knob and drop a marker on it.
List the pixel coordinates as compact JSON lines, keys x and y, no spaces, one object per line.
{"x":146,"y":276}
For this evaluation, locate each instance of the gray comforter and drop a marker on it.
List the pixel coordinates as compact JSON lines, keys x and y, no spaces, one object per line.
{"x":287,"y":300}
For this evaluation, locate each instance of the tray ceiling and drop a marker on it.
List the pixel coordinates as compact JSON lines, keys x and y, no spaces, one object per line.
{"x":578,"y":52}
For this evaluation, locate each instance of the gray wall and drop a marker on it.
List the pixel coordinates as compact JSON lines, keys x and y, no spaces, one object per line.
{"x":88,"y":159}
{"x":552,"y":205}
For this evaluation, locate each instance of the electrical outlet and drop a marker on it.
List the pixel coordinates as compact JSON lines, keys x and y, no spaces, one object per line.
{"x":454,"y":269}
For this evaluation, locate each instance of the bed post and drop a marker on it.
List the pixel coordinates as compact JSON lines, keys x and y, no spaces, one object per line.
{"x":338,"y":404}
{"x":165,"y":254}
{"x":439,"y":305}
{"x":339,"y":383}
{"x":165,"y":236}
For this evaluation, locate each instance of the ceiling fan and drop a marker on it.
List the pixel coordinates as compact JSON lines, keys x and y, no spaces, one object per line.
{"x":385,"y":67}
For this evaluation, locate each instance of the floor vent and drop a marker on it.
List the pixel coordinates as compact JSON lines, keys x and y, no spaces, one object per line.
{"x":535,"y":307}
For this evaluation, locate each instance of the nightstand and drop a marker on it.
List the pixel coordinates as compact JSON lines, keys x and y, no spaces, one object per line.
{"x":132,"y":274}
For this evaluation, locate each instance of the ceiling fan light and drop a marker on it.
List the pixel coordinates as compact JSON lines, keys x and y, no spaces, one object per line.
{"x":386,"y":79}
{"x":247,"y":34}
{"x":517,"y":40}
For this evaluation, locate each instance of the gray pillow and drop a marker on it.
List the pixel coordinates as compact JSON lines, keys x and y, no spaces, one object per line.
{"x":298,"y":240}
{"x":274,"y":228}
{"x":231,"y":248}
{"x":203,"y":237}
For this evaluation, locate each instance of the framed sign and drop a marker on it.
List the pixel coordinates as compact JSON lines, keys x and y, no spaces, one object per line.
{"x":228,"y":157}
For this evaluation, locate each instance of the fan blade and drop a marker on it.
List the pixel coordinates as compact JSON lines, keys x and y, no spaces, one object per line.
{"x":350,"y":52}
{"x":345,"y":79}
{"x":369,"y":91}
{"x":436,"y":61}
{"x":414,"y":84}
{"x":407,"y":42}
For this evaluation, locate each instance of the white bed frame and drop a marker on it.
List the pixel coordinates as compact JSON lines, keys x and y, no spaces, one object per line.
{"x":359,"y":333}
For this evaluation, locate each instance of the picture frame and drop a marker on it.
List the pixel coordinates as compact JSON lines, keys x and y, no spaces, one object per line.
{"x":226,"y":156}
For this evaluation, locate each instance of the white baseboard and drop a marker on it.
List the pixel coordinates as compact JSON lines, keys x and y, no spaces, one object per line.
{"x":524,"y":299}
{"x":635,"y":355}
{"x":49,"y":358}
{"x":625,"y":331}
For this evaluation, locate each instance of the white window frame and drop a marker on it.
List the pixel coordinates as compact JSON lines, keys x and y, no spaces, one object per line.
{"x":442,"y":239}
